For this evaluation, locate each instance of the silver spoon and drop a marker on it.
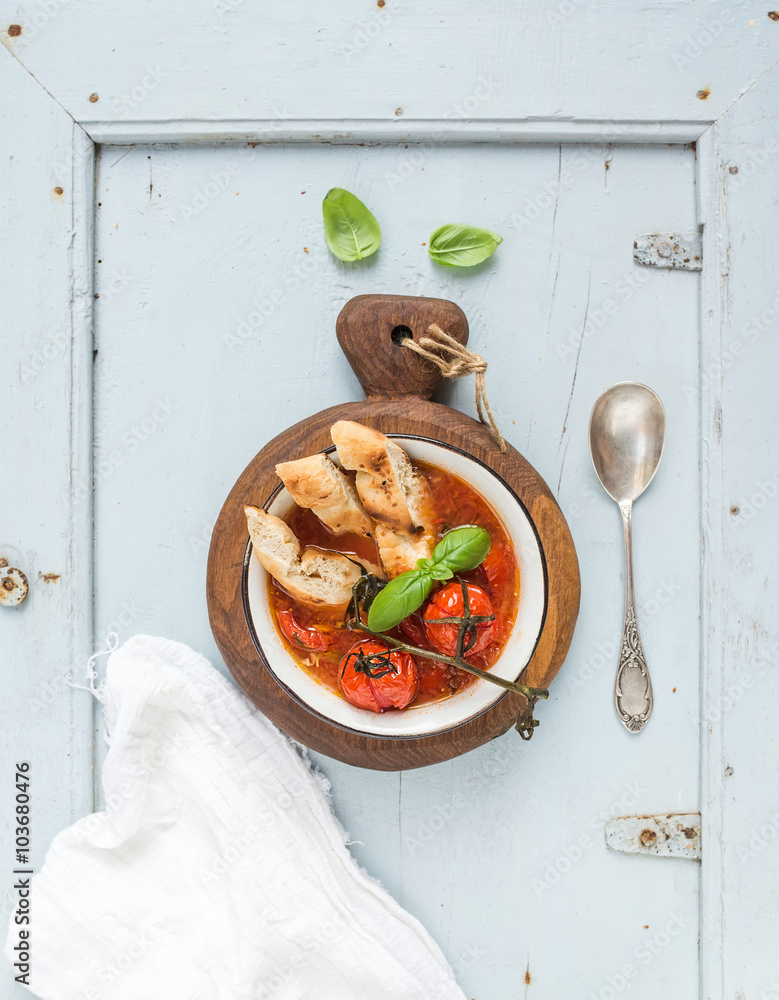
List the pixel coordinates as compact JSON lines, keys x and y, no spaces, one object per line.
{"x":627,"y":433}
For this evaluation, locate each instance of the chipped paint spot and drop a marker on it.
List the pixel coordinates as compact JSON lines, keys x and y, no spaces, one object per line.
{"x":670,"y":836}
{"x":58,"y":190}
{"x":94,"y":98}
{"x":704,"y":94}
{"x":774,"y":15}
{"x":398,"y":112}
{"x":14,"y":30}
{"x":733,"y":170}
{"x":49,"y":577}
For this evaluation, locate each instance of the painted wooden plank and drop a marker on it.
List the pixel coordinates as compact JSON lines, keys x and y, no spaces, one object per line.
{"x":355,"y":131}
{"x":45,"y":517}
{"x":593,"y":59}
{"x":215,"y":331}
{"x":741,"y":462}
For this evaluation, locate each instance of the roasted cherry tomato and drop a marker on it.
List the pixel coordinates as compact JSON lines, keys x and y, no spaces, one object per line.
{"x":499,"y":568}
{"x":373,"y":676}
{"x":299,"y":635}
{"x":435,"y":679}
{"x":413,"y":629}
{"x":449,"y":603}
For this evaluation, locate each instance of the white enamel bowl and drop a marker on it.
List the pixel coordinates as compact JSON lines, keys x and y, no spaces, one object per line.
{"x":477,"y":697}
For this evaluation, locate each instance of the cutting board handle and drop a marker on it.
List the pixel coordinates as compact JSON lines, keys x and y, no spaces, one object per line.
{"x":371,"y":329}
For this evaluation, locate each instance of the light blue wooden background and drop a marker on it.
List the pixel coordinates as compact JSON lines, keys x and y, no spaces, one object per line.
{"x":187,"y":266}
{"x":191,"y":238}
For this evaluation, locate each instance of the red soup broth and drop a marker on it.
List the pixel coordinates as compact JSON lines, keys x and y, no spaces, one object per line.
{"x":322,"y":631}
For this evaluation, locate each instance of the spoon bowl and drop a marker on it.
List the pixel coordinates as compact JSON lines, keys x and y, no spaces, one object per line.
{"x":627,"y":434}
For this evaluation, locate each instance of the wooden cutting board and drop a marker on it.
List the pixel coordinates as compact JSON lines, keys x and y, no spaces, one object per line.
{"x":398,"y":385}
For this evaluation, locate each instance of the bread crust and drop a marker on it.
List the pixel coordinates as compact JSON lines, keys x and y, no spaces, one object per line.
{"x":311,"y":575}
{"x":400,"y":551}
{"x":316,"y":483}
{"x":385,"y":479}
{"x":392,"y":491}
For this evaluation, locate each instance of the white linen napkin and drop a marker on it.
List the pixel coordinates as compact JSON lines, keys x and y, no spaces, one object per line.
{"x":217,"y":871}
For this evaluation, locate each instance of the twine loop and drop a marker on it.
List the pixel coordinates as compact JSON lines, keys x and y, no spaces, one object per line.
{"x":454,"y":361}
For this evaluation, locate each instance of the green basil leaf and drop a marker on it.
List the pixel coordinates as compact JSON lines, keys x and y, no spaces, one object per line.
{"x":462,"y":246}
{"x":398,"y":599}
{"x":462,"y":549}
{"x":351,"y":229}
{"x":441,"y":572}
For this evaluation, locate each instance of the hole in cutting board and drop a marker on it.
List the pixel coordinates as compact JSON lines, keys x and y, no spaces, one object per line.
{"x":399,"y":333}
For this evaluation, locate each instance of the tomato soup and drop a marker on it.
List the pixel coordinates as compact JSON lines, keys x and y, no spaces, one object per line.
{"x":318,"y":638}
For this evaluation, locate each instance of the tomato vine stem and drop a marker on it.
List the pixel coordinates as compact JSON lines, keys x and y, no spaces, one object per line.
{"x":531,"y":693}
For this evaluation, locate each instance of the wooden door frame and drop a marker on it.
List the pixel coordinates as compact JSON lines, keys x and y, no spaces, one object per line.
{"x":55,"y":154}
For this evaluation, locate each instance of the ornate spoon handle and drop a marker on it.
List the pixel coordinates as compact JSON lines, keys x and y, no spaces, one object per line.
{"x":633,"y":687}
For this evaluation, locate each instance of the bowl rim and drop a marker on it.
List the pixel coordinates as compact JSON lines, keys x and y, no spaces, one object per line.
{"x":387,"y":737}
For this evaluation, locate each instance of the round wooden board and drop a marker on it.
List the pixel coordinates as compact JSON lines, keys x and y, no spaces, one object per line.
{"x":403,"y":379}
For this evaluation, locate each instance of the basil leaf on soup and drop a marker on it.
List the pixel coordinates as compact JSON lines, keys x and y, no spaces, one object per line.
{"x":398,"y":599}
{"x":462,"y":549}
{"x":351,"y":229}
{"x":462,"y":246}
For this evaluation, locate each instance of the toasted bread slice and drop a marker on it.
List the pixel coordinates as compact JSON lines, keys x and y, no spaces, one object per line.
{"x":394,"y":494}
{"x":399,"y":550}
{"x":316,"y":483}
{"x":310,"y":575}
